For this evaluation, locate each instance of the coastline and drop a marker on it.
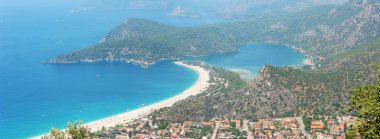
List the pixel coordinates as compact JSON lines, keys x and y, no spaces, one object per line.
{"x":200,"y":85}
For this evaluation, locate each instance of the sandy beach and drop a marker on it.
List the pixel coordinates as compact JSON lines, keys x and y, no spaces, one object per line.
{"x":200,"y":85}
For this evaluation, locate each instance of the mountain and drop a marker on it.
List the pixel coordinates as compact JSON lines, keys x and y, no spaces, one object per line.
{"x":315,"y":33}
{"x":331,"y":39}
{"x":285,"y":91}
{"x":226,"y":9}
{"x":146,"y":42}
{"x":344,"y":41}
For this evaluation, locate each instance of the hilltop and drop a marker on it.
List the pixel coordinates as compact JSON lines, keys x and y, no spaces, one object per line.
{"x":285,"y":91}
{"x":343,"y":40}
{"x":288,"y":91}
{"x":145,"y":42}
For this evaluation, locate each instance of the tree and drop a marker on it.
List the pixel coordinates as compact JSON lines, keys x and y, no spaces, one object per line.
{"x":351,"y":133}
{"x":57,"y":134}
{"x":77,"y":130}
{"x":104,"y":129}
{"x":146,"y":125}
{"x":366,"y":102}
{"x":45,"y":137}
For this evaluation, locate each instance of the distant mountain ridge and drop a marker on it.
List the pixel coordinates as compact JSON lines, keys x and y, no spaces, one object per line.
{"x":337,"y":38}
{"x":317,"y":34}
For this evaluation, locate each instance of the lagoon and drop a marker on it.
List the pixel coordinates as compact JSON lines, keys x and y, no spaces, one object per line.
{"x":253,"y":56}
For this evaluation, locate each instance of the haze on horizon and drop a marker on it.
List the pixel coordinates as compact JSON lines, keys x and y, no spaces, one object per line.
{"x":225,"y":9}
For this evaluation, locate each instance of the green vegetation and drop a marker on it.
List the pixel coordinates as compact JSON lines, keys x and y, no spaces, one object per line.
{"x":344,"y":52}
{"x":234,"y":131}
{"x":75,"y":130}
{"x":366,"y":101}
{"x":57,"y":134}
{"x":145,"y":42}
{"x":307,"y":121}
{"x":323,"y":91}
{"x":162,"y":124}
{"x":284,"y":91}
{"x":351,"y":133}
{"x":202,"y":107}
{"x":199,"y":132}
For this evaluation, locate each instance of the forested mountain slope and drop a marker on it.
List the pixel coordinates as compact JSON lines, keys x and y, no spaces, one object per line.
{"x":285,"y":91}
{"x":146,"y":42}
{"x":320,"y":32}
{"x":344,"y":41}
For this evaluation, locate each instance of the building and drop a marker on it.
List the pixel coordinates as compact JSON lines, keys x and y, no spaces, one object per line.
{"x":324,"y":136}
{"x":330,"y":123}
{"x":289,"y":123}
{"x":317,"y":125}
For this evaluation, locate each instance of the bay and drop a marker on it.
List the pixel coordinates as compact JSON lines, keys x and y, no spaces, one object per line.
{"x":35,"y":97}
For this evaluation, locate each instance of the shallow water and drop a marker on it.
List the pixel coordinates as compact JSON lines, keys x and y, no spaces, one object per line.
{"x":252,"y":57}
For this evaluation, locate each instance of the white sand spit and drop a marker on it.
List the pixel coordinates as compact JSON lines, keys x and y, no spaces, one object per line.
{"x":200,"y":85}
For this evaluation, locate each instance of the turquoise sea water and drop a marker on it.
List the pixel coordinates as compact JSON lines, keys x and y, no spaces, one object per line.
{"x":255,"y":55}
{"x":35,"y":97}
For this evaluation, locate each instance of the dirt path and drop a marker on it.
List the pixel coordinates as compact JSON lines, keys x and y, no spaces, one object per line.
{"x":215,"y":132}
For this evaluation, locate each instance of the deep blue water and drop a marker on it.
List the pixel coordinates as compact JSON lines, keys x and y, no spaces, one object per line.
{"x":255,"y":55}
{"x":36,"y":96}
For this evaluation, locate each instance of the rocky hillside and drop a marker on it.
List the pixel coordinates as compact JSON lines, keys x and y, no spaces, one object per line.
{"x":331,"y":39}
{"x":343,"y":39}
{"x":285,"y":91}
{"x":320,"y":32}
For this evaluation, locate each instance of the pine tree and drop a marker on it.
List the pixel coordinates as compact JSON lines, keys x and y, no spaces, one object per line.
{"x":366,"y":102}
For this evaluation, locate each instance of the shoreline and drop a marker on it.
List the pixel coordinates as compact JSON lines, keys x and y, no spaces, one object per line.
{"x":200,"y":85}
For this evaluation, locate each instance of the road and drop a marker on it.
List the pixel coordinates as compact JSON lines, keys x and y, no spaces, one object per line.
{"x":215,"y":132}
{"x":302,"y":127}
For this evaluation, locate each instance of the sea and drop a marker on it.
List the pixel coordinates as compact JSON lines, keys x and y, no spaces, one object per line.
{"x":35,"y":96}
{"x":253,"y":56}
